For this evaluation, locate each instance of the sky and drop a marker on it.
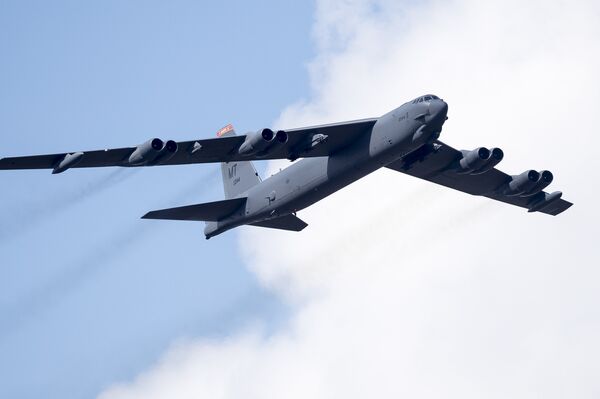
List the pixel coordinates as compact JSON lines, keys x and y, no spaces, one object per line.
{"x":89,"y":293}
{"x":398,"y":288}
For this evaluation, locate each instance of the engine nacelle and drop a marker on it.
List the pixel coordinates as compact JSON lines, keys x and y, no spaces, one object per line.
{"x":281,"y":137}
{"x":146,"y":153}
{"x":496,"y":155}
{"x":257,"y":142}
{"x":544,"y":181}
{"x":473,"y":160}
{"x":522,"y":183}
{"x":169,"y":149}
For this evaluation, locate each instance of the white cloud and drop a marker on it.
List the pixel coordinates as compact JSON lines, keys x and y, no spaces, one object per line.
{"x":408,"y":289}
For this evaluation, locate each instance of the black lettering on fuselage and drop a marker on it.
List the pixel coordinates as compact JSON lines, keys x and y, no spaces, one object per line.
{"x":232,"y":171}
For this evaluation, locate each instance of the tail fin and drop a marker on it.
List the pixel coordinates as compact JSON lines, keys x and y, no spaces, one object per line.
{"x":238,"y":177}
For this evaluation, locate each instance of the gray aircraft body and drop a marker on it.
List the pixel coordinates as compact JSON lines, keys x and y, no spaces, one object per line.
{"x":334,"y":156}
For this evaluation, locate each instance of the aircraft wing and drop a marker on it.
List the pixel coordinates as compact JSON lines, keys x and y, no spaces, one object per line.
{"x":440,"y":163}
{"x":314,"y":141}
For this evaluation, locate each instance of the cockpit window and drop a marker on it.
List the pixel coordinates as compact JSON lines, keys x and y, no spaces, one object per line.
{"x":428,"y":97}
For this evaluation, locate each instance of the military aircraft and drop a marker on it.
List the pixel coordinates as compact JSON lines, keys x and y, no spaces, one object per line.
{"x":335,"y":155}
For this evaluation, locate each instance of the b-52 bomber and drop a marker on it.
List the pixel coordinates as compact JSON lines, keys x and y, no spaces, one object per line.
{"x":334,"y":156}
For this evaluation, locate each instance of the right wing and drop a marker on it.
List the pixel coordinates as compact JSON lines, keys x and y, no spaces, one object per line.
{"x":438,"y":163}
{"x":314,"y":141}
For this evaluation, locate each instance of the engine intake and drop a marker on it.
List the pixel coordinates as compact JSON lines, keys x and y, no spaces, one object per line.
{"x":281,"y":137}
{"x":522,"y":183}
{"x":147,"y":152}
{"x":169,"y":149}
{"x":496,"y":155}
{"x":544,"y":181}
{"x":257,"y":142}
{"x":473,"y":160}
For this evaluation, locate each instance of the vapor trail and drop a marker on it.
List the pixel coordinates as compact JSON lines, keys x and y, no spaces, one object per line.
{"x":31,"y":214}
{"x":100,"y":257}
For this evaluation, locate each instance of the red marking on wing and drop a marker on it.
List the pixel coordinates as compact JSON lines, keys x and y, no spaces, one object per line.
{"x":224,"y":130}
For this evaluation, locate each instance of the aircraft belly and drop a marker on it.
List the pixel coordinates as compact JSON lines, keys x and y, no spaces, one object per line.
{"x":309,"y":180}
{"x":326,"y":177}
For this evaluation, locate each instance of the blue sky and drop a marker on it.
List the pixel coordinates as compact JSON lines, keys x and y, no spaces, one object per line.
{"x":84,"y":283}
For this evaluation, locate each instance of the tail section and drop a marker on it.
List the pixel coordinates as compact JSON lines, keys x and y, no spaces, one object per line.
{"x":238,"y":177}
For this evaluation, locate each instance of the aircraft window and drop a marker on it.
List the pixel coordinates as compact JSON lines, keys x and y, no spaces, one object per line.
{"x":428,"y":97}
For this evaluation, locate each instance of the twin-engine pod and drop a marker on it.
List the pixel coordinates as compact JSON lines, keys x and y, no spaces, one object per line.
{"x":153,"y":152}
{"x":262,"y":141}
{"x":528,"y":183}
{"x":543,"y":181}
{"x":496,"y":155}
{"x":479,"y":160}
{"x":256,"y":142}
{"x":167,"y":152}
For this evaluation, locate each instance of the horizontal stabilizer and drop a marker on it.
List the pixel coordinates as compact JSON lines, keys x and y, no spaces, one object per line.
{"x":207,"y":212}
{"x":289,"y":222}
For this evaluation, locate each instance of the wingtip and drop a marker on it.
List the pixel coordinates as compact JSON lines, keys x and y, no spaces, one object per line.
{"x":146,"y":216}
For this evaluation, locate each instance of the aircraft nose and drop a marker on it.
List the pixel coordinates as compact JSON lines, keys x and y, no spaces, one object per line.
{"x":438,"y":109}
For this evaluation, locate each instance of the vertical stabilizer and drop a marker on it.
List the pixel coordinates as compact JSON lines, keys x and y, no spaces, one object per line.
{"x":238,"y":177}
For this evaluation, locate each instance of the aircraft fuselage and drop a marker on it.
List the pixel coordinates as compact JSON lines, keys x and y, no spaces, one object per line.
{"x":309,"y":180}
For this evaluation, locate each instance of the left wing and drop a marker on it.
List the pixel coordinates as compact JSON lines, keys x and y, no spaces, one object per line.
{"x":467,"y":171}
{"x":315,"y":141}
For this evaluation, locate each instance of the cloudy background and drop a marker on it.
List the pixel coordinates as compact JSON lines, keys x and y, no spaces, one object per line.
{"x":399,"y":288}
{"x":403,"y":289}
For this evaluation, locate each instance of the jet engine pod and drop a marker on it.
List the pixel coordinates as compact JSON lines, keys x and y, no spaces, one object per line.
{"x":522,"y":183}
{"x":256,"y":142}
{"x":472,"y":160}
{"x":146,"y":153}
{"x":544,"y":181}
{"x":496,"y":155}
{"x":281,"y":137}
{"x":169,"y":149}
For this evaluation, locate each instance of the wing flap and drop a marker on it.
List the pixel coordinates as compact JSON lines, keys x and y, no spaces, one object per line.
{"x":207,"y":212}
{"x":288,"y":222}
{"x":435,"y":164}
